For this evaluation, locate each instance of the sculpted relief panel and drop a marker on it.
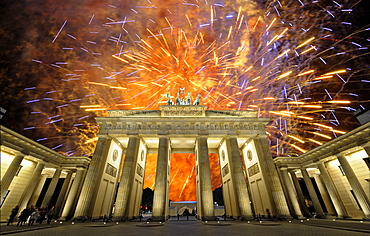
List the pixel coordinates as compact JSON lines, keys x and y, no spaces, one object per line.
{"x":182,"y":126}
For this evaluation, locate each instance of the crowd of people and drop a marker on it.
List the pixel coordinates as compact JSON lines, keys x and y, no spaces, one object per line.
{"x":31,"y":215}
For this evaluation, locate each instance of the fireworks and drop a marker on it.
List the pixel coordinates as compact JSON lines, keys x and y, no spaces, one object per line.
{"x":302,"y":63}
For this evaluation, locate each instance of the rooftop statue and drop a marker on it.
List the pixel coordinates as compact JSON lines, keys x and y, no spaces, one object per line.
{"x":169,"y":100}
{"x":188,"y":100}
{"x":197,"y":101}
{"x":181,"y":101}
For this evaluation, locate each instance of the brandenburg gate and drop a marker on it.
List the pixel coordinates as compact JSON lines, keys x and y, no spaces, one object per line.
{"x":250,"y":180}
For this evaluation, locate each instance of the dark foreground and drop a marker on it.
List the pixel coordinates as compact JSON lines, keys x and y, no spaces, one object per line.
{"x":192,"y":227}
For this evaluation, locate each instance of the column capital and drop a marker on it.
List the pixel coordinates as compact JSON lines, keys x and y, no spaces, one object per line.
{"x":203,"y":132}
{"x":292,"y":170}
{"x":162,"y":132}
{"x":304,"y":171}
{"x":339,"y":154}
{"x":283,"y":168}
{"x":21,"y":153}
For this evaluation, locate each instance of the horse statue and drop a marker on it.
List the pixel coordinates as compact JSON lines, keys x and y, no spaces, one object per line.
{"x":169,"y":100}
{"x":188,"y":100}
{"x":197,"y":101}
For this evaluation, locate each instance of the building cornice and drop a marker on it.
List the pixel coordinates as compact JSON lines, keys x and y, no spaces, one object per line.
{"x":346,"y":144}
{"x":19,"y":143}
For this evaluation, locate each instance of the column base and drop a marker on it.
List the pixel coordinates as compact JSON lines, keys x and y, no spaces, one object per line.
{"x":247,"y":217}
{"x":301,"y":218}
{"x":159,"y":218}
{"x":320,"y":216}
{"x":342,"y":217}
{"x":80,"y":218}
{"x":284,"y":217}
{"x":208,"y":218}
{"x":119,"y":218}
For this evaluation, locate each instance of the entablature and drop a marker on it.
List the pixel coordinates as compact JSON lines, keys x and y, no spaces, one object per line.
{"x":346,"y":144}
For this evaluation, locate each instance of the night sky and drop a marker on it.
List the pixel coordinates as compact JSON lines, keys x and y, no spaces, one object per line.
{"x":53,"y":52}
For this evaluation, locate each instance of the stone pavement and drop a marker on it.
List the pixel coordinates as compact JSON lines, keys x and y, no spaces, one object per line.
{"x":183,"y":227}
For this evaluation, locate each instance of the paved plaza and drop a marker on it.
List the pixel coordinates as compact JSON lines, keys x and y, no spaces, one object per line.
{"x":192,"y":227}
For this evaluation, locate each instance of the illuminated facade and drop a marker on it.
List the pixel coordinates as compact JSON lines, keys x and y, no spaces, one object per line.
{"x":25,"y":167}
{"x":341,"y":170}
{"x":335,"y":175}
{"x":182,"y":129}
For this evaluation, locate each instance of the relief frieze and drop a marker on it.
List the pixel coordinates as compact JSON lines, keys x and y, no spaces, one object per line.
{"x":182,"y":126}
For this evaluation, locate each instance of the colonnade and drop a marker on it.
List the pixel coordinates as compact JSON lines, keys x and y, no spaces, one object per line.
{"x":246,"y":179}
{"x":332,"y":199}
{"x":239,"y":198}
{"x":34,"y":185}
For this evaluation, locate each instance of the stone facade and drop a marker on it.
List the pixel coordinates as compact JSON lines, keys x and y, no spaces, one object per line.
{"x":341,"y":170}
{"x":33,"y":164}
{"x":336,"y":174}
{"x":191,"y":129}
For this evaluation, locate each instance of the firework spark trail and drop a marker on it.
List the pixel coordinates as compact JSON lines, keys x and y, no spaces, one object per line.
{"x":288,"y":60}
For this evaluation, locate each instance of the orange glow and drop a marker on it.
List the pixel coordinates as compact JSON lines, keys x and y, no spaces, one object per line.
{"x":322,"y":135}
{"x":101,"y":84}
{"x":336,"y":72}
{"x":307,"y":50}
{"x":280,"y":113}
{"x":283,"y":53}
{"x":324,"y":126}
{"x":304,"y":43}
{"x":338,"y":131}
{"x":286,"y":74}
{"x":182,"y":175}
{"x":312,"y":106}
{"x":339,"y":102}
{"x":297,"y":139}
{"x":323,"y":77}
{"x":315,"y":141}
{"x":89,"y":106}
{"x":96,"y":109}
{"x":91,"y":140}
{"x":298,"y":148}
{"x":306,"y":72}
{"x":305,"y":117}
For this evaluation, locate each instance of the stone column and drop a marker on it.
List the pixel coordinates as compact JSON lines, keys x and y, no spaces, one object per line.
{"x":127,"y":178}
{"x":355,"y":184}
{"x":291,"y":193}
{"x":286,"y":194}
{"x":28,"y":191}
{"x":312,"y":192}
{"x":52,"y":186}
{"x":10,"y":173}
{"x":238,"y":178}
{"x":36,"y":193}
{"x":301,"y":200}
{"x":160,"y":188}
{"x":206,"y":195}
{"x":91,"y":179}
{"x":73,"y":194}
{"x":63,"y":192}
{"x":324,"y":195}
{"x":268,"y":166}
{"x":332,"y":191}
